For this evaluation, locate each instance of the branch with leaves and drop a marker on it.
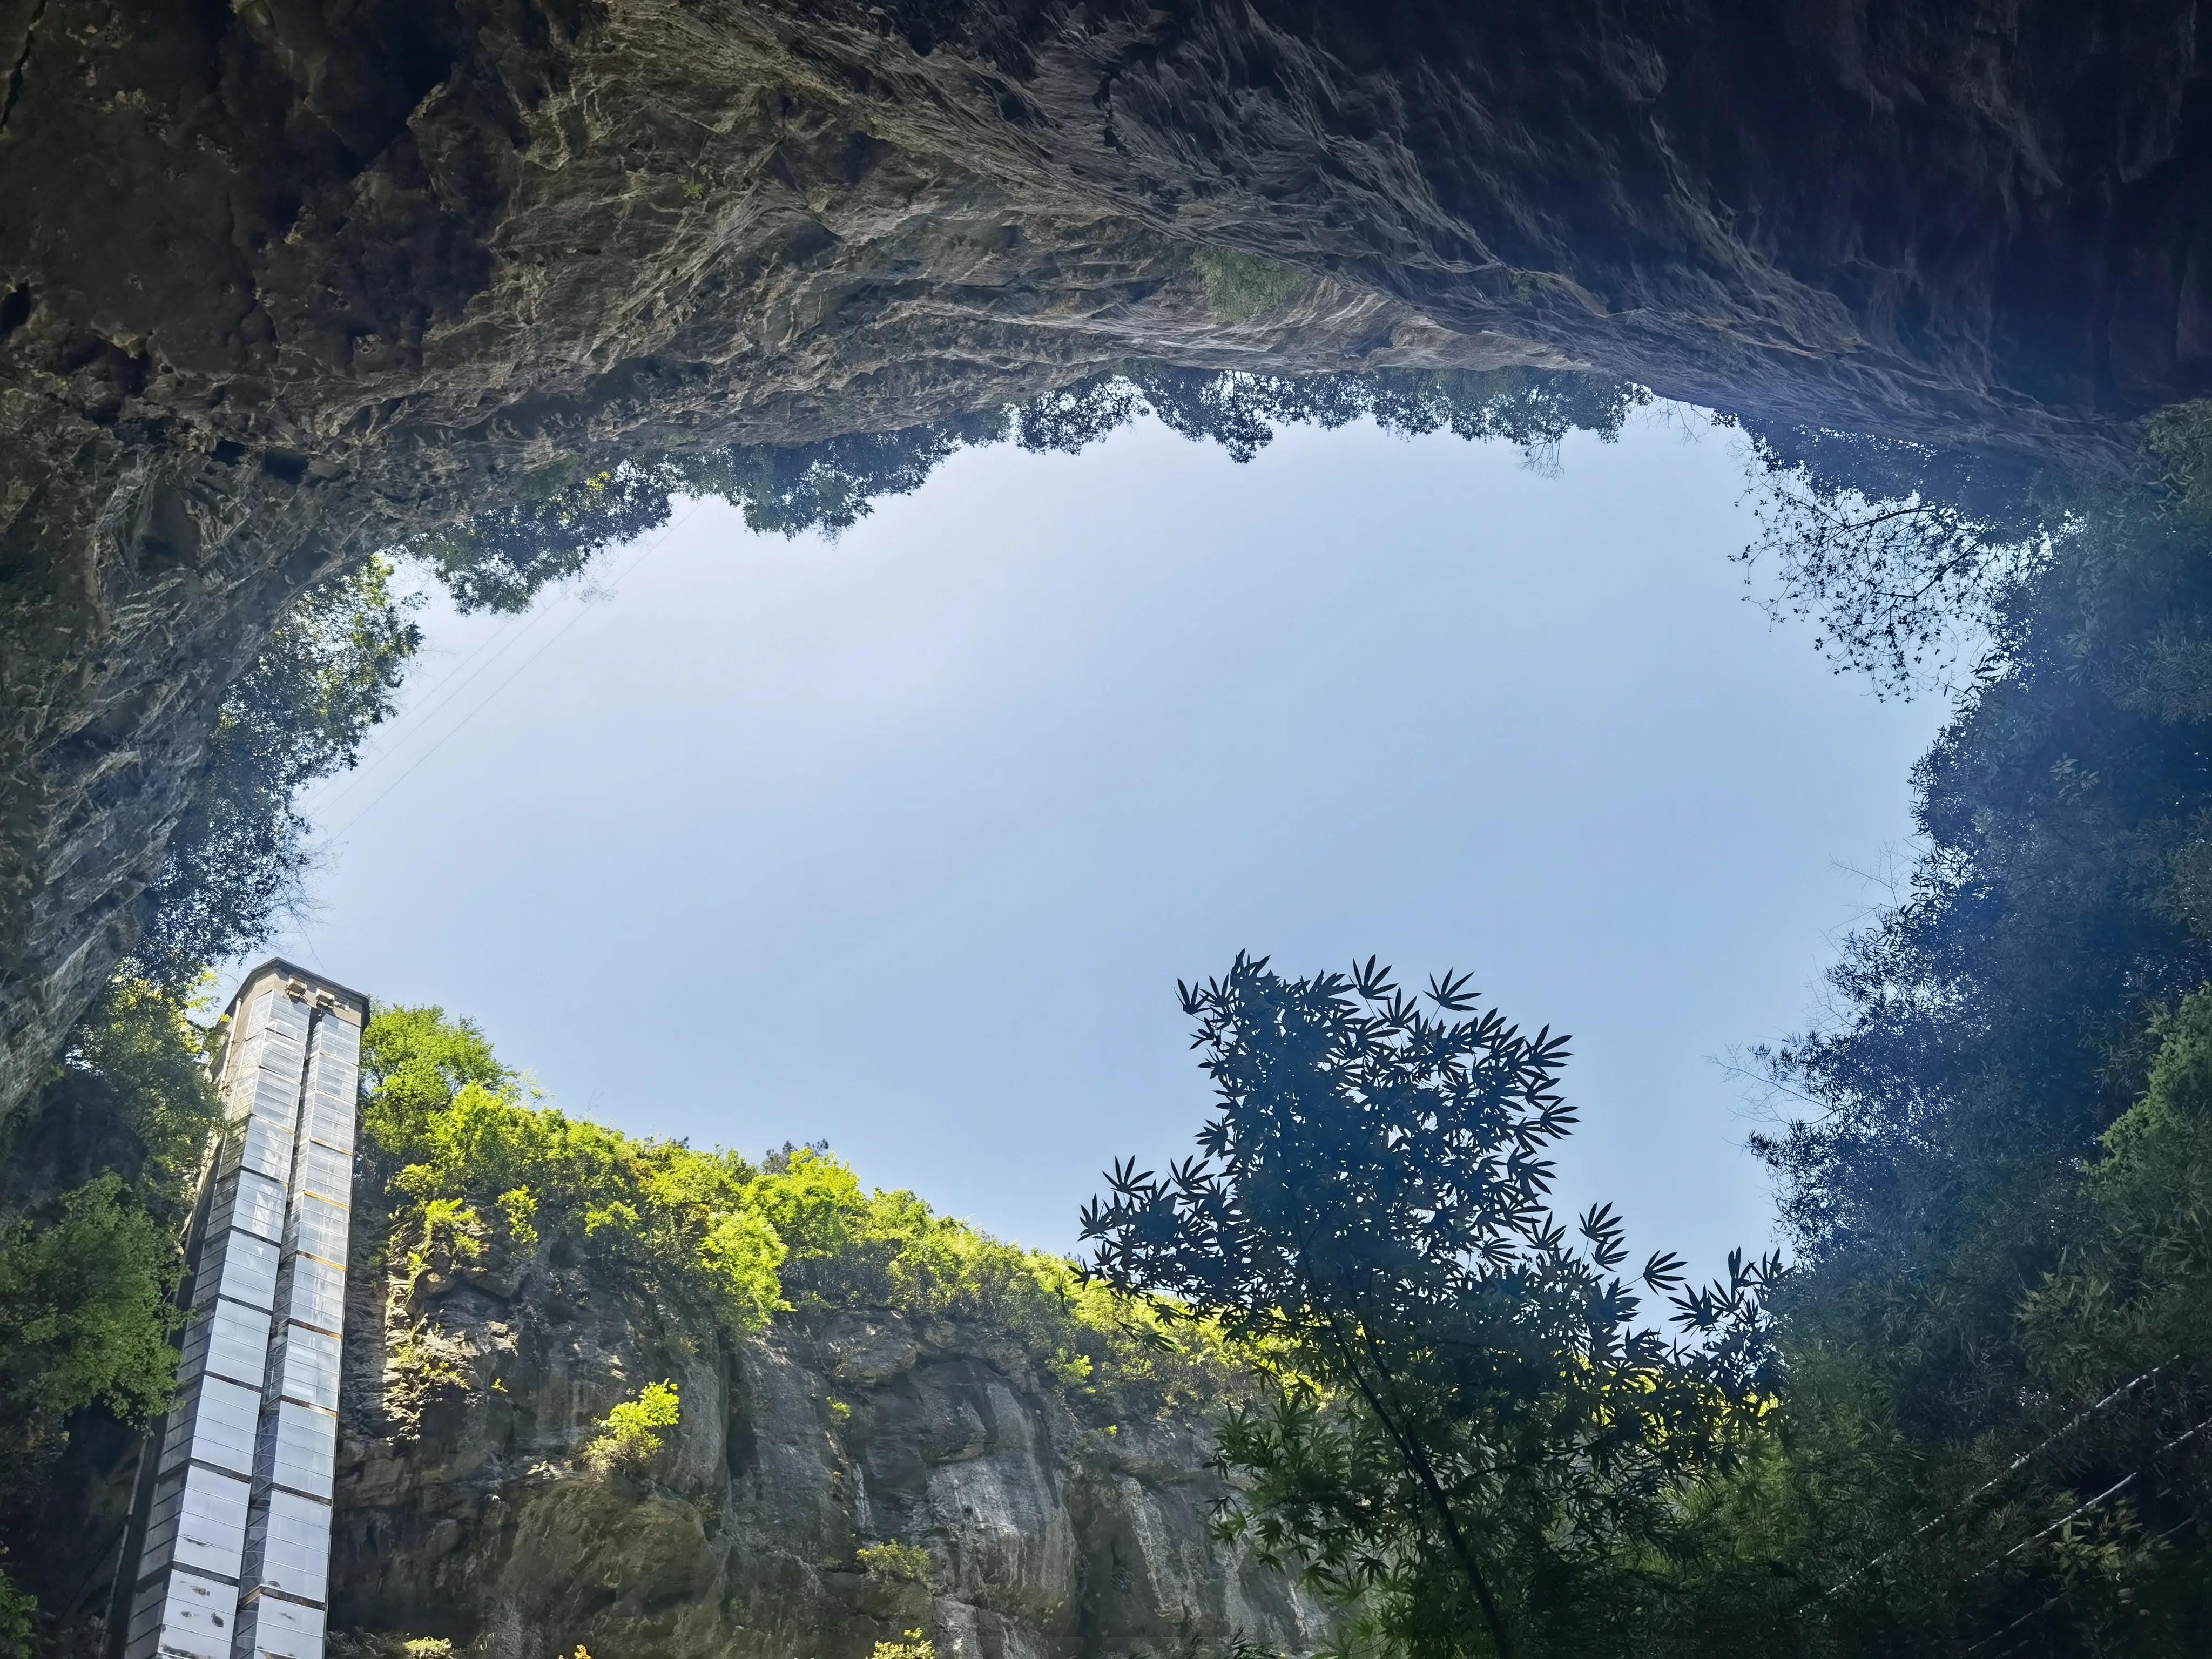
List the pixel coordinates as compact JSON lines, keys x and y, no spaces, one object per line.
{"x":1476,"y":1429}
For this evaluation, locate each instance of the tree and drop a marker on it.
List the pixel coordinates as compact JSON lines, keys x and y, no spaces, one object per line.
{"x":84,"y":1304}
{"x":498,"y":560}
{"x":1473,"y":1430}
{"x":1896,"y":553}
{"x":302,"y":711}
{"x":1967,"y":1316}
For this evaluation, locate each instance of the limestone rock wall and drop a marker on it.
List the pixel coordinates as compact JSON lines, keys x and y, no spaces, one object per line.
{"x":1056,"y":1526}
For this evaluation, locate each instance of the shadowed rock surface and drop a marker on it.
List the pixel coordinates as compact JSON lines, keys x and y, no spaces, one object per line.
{"x":281,"y":282}
{"x":1056,"y":1526}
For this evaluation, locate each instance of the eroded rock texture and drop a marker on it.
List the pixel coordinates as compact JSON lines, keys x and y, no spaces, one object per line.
{"x":1056,"y":1524}
{"x":281,"y":280}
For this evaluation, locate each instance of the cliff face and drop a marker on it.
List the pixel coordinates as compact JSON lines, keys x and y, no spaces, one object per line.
{"x":1054,"y":1524}
{"x":284,"y":280}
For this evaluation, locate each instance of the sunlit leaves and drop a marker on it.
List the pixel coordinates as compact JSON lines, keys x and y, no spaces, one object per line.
{"x":466,"y":1144}
{"x":497,"y":1181}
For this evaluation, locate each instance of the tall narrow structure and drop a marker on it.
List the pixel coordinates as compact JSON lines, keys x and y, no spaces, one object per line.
{"x":234,"y":1558}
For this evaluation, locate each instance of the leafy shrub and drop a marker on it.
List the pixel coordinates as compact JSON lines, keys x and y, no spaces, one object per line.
{"x":916,"y":1646}
{"x":629,"y":1434}
{"x":907,"y":1563}
{"x":95,"y":1183}
{"x":420,"y":1364}
{"x":96,"y":1176}
{"x":851,"y":1249}
{"x":19,"y":1622}
{"x":84,"y":1315}
{"x":487,"y":1174}
{"x":142,"y":1048}
{"x":2136,"y":1289}
{"x":1484,"y":1437}
{"x":491,"y":1174}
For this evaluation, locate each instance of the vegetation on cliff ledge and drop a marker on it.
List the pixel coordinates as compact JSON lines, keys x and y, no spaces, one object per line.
{"x":488,"y":1178}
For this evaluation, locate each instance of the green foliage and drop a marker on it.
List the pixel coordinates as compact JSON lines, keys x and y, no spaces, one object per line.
{"x":498,"y":560}
{"x":132,"y":1094}
{"x":916,"y":1646}
{"x":96,"y":1176}
{"x":855,"y":1249}
{"x":629,"y":1434}
{"x":96,"y":1181}
{"x":1896,"y":553}
{"x":490,"y":1178}
{"x":1993,"y":1361}
{"x":2135,"y":1288}
{"x":235,"y":862}
{"x":19,"y":1622}
{"x":1241,"y":287}
{"x":421,"y":1363}
{"x":84,"y":1315}
{"x":558,"y":518}
{"x":489,"y":1174}
{"x":1473,"y":1434}
{"x":141,"y":1046}
{"x":414,"y":1061}
{"x":904,"y":1563}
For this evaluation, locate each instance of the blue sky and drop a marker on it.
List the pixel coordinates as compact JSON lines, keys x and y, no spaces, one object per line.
{"x":903,"y":840}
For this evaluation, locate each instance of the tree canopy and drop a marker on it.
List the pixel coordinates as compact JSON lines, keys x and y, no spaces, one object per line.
{"x":236,"y":863}
{"x":1477,"y":1431}
{"x":561,"y":515}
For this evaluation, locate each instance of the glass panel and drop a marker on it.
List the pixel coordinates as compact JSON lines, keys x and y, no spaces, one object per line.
{"x":187,"y":1615}
{"x":237,"y":1265}
{"x":331,"y":1125}
{"x":215,"y":1421}
{"x":326,"y":1171}
{"x":256,"y":1144}
{"x":198,"y":1522}
{"x":306,"y":1366}
{"x":319,"y":1228}
{"x":287,"y":1547}
{"x":279,"y":1630}
{"x":313,"y":1293}
{"x":229,"y":1340}
{"x":299,"y":1449}
{"x":253,"y":1202}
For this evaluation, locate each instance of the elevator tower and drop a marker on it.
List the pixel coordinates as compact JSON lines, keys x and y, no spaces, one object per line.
{"x":232,"y":1560}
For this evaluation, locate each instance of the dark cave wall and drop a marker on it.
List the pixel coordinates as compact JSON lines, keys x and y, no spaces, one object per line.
{"x":280,"y":282}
